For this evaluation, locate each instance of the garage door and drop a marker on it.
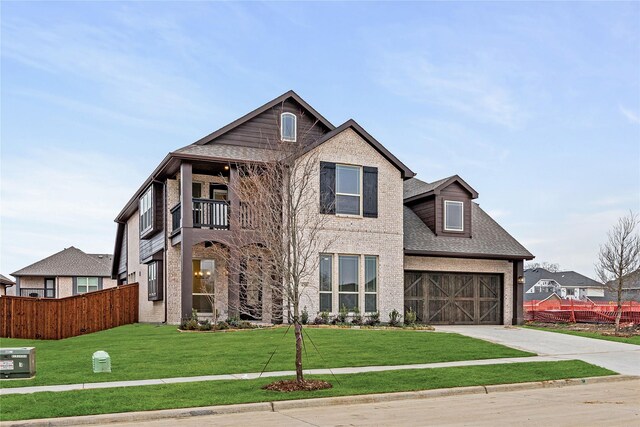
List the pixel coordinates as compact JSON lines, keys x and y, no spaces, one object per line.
{"x":446,"y":298}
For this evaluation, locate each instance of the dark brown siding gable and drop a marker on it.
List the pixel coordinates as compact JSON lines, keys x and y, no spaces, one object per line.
{"x":426,"y":211}
{"x":264,"y":129}
{"x":453,"y":192}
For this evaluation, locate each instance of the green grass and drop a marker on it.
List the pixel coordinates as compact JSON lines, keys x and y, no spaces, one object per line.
{"x":143,"y":351}
{"x":102,"y":401}
{"x":597,"y":335}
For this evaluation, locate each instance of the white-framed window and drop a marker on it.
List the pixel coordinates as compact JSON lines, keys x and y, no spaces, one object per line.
{"x":370,"y":284}
{"x":203,"y":284}
{"x":154,"y":285}
{"x":288,"y":127}
{"x":86,"y":284}
{"x":326,"y":282}
{"x":348,"y":280}
{"x":348,"y":190}
{"x":146,"y":211}
{"x":453,"y":215}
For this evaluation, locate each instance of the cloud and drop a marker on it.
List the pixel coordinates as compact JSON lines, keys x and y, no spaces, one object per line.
{"x":632,"y":116}
{"x":53,"y":198}
{"x":459,"y":88}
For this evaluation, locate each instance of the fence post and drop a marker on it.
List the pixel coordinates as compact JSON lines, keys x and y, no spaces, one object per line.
{"x":572,"y":319}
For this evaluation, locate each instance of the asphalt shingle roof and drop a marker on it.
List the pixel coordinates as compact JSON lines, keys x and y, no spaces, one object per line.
{"x":231,"y":152}
{"x":414,"y":186}
{"x":70,"y":262}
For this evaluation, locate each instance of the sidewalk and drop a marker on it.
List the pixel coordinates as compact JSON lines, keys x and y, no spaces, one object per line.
{"x":253,"y":375}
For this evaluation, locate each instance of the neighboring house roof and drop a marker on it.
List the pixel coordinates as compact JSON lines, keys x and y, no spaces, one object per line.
{"x":5,"y":281}
{"x":489,"y":239}
{"x":69,"y":262}
{"x":416,"y":189}
{"x":564,"y":278}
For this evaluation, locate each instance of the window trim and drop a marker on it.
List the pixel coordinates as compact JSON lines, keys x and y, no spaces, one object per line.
{"x":364,"y":285}
{"x":77,"y":285}
{"x":142,"y":213}
{"x":456,"y":202}
{"x":295,"y":127}
{"x":359,"y":195}
{"x":157,"y":281}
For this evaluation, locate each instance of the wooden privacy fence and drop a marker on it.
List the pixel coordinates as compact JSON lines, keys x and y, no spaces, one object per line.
{"x":54,"y":319}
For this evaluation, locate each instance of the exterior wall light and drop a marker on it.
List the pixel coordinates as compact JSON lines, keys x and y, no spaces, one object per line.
{"x":520,"y":280}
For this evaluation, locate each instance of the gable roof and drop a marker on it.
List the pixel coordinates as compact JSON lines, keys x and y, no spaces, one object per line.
{"x":415,"y":189}
{"x":352,"y":124}
{"x":489,"y":239}
{"x":262,"y":109}
{"x":5,"y":281}
{"x":69,"y":262}
{"x":564,"y":278}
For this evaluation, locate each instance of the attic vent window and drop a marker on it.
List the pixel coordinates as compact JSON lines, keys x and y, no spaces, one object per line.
{"x":453,"y":215}
{"x":288,"y":127}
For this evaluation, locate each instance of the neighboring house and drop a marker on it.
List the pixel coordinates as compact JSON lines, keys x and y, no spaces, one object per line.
{"x":66,"y":273}
{"x":540,"y":283}
{"x":5,"y":283}
{"x":395,"y":242}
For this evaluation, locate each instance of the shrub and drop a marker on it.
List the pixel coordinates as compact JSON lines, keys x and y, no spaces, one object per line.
{"x":342,"y":314}
{"x":325,"y":317}
{"x":410,"y":317}
{"x":205,"y":326}
{"x":373,"y":319}
{"x":394,"y":318}
{"x":245,"y":325}
{"x":357,"y":317}
{"x":304,"y":317}
{"x":222,"y":325}
{"x":188,"y":324}
{"x":233,"y":322}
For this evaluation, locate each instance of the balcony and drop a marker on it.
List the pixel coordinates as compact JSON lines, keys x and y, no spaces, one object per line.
{"x":37,"y":292}
{"x":207,"y":213}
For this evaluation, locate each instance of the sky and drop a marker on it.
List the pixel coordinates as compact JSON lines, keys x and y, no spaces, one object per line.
{"x":535,"y":105}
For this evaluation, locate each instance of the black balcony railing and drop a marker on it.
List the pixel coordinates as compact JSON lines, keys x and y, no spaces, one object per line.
{"x":207,"y":213}
{"x":37,"y":292}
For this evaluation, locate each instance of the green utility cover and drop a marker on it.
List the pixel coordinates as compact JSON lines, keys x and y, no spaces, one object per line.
{"x":101,"y":362}
{"x":17,"y":362}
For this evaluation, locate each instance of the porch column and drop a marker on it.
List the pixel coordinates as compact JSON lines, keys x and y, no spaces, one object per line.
{"x":186,"y":247}
{"x":518,"y":293}
{"x":234,"y":202}
{"x":234,"y":282}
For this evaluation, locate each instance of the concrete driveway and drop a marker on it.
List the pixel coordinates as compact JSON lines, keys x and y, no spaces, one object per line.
{"x":619,"y":357}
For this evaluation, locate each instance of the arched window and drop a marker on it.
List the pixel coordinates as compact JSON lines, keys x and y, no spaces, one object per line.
{"x":288,"y":127}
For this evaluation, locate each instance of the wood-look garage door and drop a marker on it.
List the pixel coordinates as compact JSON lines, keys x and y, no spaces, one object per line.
{"x":446,"y":298}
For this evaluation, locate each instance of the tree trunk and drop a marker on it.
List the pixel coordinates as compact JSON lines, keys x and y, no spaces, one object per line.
{"x":298,"y":332}
{"x":618,"y":316}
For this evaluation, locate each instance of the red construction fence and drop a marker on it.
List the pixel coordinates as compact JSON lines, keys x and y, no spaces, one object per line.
{"x":572,"y":311}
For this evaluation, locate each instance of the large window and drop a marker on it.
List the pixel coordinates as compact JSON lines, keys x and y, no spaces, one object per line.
{"x":453,"y":215}
{"x":288,"y":127}
{"x":203,"y":285}
{"x":370,"y":284}
{"x":348,"y":189}
{"x":86,"y":284}
{"x":326,"y":282}
{"x":348,"y":279}
{"x":146,"y":211}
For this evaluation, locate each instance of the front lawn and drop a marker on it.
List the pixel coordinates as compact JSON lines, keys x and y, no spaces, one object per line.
{"x":635,"y":339}
{"x":144,"y":351}
{"x":126,"y":399}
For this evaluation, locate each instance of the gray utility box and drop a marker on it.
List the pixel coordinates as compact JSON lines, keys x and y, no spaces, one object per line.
{"x":17,"y":362}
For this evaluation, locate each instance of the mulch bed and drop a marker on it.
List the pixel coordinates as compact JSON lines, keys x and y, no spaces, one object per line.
{"x":293,"y":385}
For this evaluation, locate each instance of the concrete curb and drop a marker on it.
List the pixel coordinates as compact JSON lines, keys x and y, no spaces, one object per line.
{"x":307,"y":403}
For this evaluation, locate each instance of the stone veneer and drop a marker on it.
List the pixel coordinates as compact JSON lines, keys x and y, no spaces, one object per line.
{"x":456,"y":265}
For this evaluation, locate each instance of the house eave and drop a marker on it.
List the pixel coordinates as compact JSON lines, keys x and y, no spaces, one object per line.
{"x":442,"y":254}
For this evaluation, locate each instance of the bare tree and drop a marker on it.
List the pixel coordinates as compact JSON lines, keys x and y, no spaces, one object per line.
{"x":619,"y":258}
{"x":552,"y":267}
{"x":279,"y":212}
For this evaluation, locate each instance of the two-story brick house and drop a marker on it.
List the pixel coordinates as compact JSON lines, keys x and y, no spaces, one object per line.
{"x":393,"y":241}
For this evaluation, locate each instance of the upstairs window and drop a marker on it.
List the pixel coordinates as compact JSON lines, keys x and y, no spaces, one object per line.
{"x":348,"y":189}
{"x":453,"y":215}
{"x":288,"y":127}
{"x":146,"y":211}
